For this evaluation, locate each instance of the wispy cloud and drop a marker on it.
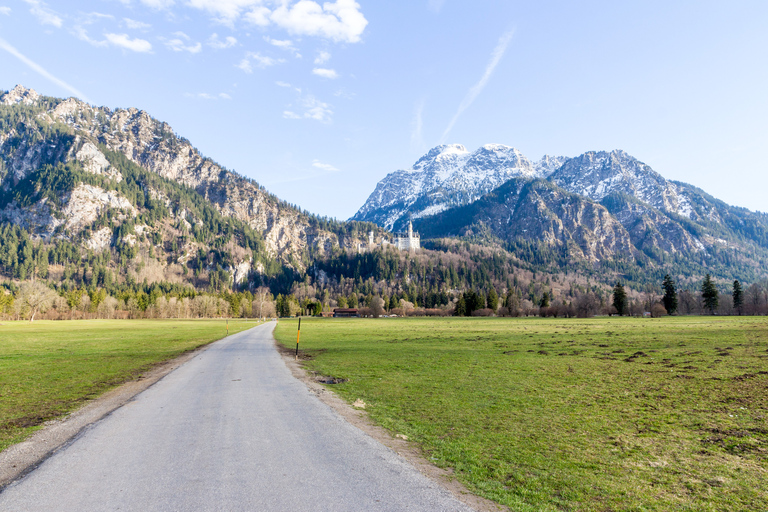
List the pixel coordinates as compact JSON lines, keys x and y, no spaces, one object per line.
{"x":135,"y":25}
{"x":475,"y":90}
{"x":285,"y":44}
{"x":181,"y":43}
{"x":325,"y":73}
{"x":44,"y":14}
{"x":124,"y":41}
{"x":218,"y":44}
{"x":325,"y":167}
{"x":322,"y":58}
{"x":5,"y":10}
{"x":417,"y":126}
{"x":255,"y":58}
{"x":311,"y":108}
{"x":339,"y":21}
{"x":4,"y":45}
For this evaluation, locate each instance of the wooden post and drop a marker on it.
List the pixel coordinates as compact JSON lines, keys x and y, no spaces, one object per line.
{"x":298,"y":333}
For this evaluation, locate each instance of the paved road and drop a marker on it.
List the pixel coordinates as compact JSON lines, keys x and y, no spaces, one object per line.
{"x":230,"y":430}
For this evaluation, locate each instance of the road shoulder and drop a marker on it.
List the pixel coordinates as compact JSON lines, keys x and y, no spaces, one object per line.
{"x":405,"y":449}
{"x":18,"y":460}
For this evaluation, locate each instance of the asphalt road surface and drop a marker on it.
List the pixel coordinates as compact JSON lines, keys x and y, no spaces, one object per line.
{"x":230,"y":430}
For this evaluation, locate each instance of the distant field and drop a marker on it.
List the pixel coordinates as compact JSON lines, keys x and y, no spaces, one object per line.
{"x":49,"y":368}
{"x":567,"y":414}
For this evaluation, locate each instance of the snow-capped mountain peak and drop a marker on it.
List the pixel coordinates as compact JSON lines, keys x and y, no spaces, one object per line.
{"x":447,"y":176}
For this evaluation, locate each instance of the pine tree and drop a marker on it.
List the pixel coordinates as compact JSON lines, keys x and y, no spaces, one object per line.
{"x":493,"y":299}
{"x":738,"y":296}
{"x":709,"y":294}
{"x":670,"y":295}
{"x":620,"y":299}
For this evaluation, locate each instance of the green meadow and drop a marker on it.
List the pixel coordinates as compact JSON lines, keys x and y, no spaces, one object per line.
{"x":49,"y":368}
{"x":566,"y":414}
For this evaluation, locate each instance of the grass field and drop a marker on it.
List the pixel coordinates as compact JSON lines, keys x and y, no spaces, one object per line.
{"x":49,"y":368}
{"x":567,"y":414}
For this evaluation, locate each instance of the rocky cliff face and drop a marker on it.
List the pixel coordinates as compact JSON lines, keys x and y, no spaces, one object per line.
{"x":72,"y":132}
{"x":536,"y":210}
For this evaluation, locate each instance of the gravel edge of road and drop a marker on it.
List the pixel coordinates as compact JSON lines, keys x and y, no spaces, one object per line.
{"x":402,"y":447}
{"x":20,"y":459}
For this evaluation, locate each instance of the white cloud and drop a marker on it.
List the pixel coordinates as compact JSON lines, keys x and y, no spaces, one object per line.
{"x":255,"y":58}
{"x":225,"y":96}
{"x":291,"y":115}
{"x":475,"y":90}
{"x":44,"y":14}
{"x":135,"y":25}
{"x":82,"y":34}
{"x":124,"y":41}
{"x":4,"y":45}
{"x":5,"y":10}
{"x":322,"y":58}
{"x":178,"y":44}
{"x":283,"y":84}
{"x":325,"y":73}
{"x":316,"y":109}
{"x":340,"y":21}
{"x":258,"y":16}
{"x":285,"y":44}
{"x":215,"y":42}
{"x":324,"y":167}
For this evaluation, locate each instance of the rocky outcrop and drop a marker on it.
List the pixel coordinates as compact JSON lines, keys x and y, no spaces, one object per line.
{"x":154,"y":146}
{"x":537,"y":211}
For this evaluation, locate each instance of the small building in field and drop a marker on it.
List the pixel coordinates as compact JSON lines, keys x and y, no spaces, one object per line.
{"x":345,"y":312}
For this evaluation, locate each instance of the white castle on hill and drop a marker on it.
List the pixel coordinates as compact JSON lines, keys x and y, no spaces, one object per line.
{"x":408,"y":241}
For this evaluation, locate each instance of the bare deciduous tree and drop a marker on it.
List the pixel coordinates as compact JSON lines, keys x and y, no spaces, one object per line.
{"x":34,"y":297}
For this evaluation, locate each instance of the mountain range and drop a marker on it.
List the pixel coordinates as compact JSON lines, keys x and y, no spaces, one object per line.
{"x":598,"y":207}
{"x":108,"y":179}
{"x":115,"y":197}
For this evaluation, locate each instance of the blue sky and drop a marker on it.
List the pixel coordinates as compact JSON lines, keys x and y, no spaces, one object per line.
{"x":318,"y":101}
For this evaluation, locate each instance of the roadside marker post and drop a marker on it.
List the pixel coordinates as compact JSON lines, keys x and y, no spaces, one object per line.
{"x":227,"y":326}
{"x":298,"y":333}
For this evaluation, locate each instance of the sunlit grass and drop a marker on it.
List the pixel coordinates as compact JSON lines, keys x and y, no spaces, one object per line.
{"x":598,"y":414}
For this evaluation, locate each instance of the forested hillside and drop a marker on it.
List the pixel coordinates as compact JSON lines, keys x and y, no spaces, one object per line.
{"x":110,"y":213}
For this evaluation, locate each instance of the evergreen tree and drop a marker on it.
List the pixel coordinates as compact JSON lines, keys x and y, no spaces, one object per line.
{"x":544,"y":302}
{"x":493,"y":299}
{"x":670,"y":295}
{"x":620,"y":299}
{"x":709,"y":294}
{"x":738,"y":296}
{"x":461,"y":307}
